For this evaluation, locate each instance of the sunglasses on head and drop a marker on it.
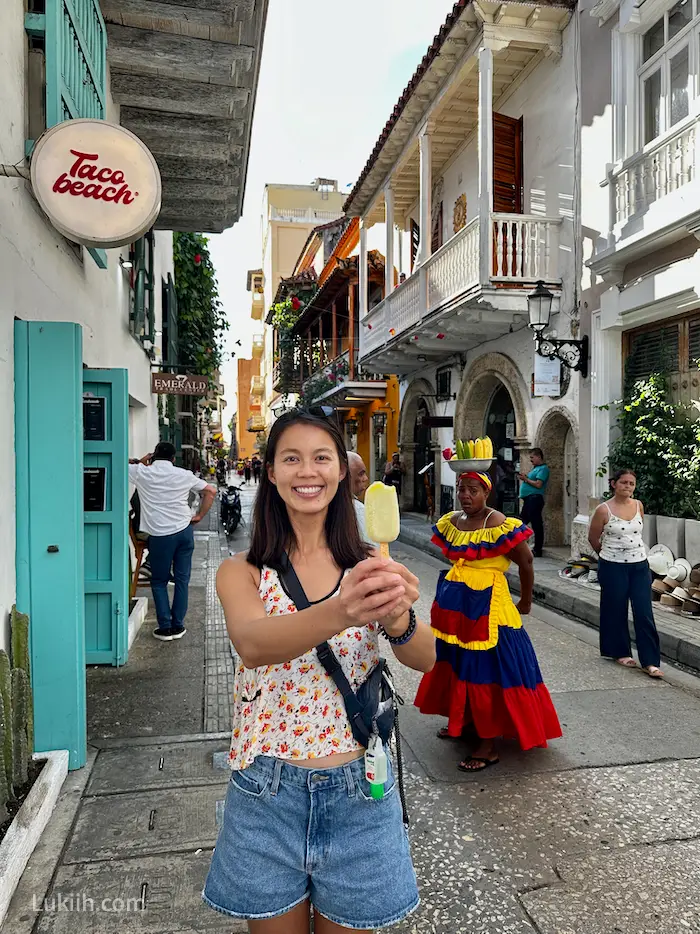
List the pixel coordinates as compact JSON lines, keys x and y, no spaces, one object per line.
{"x":319,"y":411}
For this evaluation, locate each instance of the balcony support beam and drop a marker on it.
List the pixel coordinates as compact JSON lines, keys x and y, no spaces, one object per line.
{"x":363,"y":276}
{"x":426,"y":192}
{"x":389,"y":255}
{"x":485,"y":161}
{"x":351,"y":320}
{"x":334,"y":331}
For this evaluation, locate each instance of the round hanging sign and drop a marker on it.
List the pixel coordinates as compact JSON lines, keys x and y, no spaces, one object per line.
{"x":98,"y":184}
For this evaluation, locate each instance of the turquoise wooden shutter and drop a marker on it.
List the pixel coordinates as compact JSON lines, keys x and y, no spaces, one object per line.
{"x":106,"y":530}
{"x":49,"y":522}
{"x":76,"y":60}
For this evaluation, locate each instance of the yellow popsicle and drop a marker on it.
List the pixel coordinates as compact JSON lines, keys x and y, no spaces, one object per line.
{"x":382,"y":515}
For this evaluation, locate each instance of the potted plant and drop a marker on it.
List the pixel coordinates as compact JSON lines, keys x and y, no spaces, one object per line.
{"x":29,"y":785}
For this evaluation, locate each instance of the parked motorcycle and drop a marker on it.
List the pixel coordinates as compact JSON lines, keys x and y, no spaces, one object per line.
{"x":230,"y":512}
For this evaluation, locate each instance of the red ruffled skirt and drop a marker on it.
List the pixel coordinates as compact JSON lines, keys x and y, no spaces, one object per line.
{"x":499,"y":690}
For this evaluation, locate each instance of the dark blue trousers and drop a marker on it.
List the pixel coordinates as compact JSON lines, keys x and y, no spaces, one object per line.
{"x":620,"y":585}
{"x":166,"y":552}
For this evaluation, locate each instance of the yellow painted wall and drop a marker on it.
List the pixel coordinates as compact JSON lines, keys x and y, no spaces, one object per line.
{"x":246,"y":439}
{"x":390,"y":406}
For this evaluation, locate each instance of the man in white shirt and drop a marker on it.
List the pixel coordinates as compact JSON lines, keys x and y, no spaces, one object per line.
{"x":164,"y":491}
{"x":359,"y":481}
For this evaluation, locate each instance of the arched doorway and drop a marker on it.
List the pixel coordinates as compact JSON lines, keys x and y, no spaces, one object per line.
{"x":479,"y":384}
{"x":500,"y":427}
{"x":422,"y":456}
{"x":557,"y":435}
{"x":416,"y":442}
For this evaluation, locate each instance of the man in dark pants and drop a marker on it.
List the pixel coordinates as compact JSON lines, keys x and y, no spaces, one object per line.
{"x":532,"y":492}
{"x":164,"y":491}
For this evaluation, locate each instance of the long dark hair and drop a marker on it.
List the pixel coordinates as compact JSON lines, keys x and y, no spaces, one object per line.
{"x":272,"y":532}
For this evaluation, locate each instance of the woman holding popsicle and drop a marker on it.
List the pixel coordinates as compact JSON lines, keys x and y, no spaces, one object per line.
{"x":486,"y":680}
{"x":313,"y":820}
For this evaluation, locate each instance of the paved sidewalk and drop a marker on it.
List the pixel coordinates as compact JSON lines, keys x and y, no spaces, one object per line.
{"x":679,"y":636}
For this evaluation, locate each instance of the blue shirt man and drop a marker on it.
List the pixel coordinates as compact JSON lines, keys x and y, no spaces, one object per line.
{"x":532,"y":489}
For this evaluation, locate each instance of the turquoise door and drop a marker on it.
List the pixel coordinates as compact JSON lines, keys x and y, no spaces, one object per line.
{"x":49,"y":527}
{"x":106,"y":484}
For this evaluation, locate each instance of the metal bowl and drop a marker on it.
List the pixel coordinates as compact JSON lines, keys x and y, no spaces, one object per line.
{"x":480,"y":465}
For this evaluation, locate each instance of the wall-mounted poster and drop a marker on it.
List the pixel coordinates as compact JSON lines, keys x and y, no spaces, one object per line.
{"x":547,"y":376}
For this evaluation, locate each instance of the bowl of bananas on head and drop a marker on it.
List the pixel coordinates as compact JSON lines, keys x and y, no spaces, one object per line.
{"x":472,"y":455}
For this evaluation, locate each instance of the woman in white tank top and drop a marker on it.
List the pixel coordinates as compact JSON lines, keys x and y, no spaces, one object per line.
{"x":302,"y":830}
{"x":624,"y":576}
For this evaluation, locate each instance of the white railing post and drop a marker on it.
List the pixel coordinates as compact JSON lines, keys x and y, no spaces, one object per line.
{"x":389,"y":255}
{"x":426,"y":193}
{"x":485,"y":164}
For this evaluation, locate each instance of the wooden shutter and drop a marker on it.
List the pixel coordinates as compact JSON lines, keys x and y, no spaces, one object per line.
{"x":415,"y":242}
{"x":436,"y":239}
{"x":76,"y":60}
{"x":655,"y":350}
{"x":507,"y":165}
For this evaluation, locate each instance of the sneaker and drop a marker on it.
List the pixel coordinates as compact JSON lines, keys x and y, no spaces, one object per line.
{"x":163,"y":635}
{"x":177,"y":633}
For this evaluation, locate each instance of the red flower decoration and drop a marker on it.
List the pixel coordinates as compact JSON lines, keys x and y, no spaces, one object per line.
{"x":440,"y":337}
{"x":197,"y":259}
{"x":296,"y":304}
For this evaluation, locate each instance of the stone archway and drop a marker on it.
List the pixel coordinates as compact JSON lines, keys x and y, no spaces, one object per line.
{"x":562,"y":490}
{"x":479,"y":384}
{"x":419,"y":390}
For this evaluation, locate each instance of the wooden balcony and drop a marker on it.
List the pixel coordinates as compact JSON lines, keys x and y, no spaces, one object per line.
{"x":458,"y":298}
{"x":185,"y":75}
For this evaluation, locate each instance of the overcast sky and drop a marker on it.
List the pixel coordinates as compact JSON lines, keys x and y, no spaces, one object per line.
{"x":330,"y":76}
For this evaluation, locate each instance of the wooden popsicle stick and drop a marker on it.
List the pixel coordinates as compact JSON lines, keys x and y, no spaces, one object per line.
{"x":384,"y":550}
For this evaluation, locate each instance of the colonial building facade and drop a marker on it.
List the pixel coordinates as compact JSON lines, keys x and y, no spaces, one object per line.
{"x":473,"y":180}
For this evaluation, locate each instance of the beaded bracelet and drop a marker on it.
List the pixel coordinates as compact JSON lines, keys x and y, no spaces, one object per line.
{"x":408,"y":635}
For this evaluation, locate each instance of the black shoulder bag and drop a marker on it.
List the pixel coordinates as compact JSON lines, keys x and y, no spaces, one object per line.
{"x":373,"y":708}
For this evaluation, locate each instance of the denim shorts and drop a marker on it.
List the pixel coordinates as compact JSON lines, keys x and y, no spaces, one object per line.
{"x":291,"y":834}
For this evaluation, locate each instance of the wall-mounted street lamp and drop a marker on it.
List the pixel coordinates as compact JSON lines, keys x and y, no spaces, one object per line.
{"x":572,"y":353}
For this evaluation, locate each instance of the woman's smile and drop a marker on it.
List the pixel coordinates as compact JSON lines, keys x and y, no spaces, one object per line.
{"x":307,"y":491}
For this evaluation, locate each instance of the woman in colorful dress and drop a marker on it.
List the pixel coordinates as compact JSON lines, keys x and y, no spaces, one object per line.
{"x":487,"y":680}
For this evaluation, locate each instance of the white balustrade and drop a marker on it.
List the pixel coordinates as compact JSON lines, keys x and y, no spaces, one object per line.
{"x":454,"y":267}
{"x":525,"y":247}
{"x":654,"y":173}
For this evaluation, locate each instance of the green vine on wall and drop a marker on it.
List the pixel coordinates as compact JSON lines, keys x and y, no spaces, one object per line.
{"x":284,"y":317}
{"x":201,"y":320}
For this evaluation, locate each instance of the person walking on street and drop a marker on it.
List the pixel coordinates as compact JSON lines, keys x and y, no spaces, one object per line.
{"x":257,"y":467}
{"x":394,"y":472}
{"x":303,"y":829}
{"x":487,"y":681}
{"x":359,"y":481}
{"x":532,"y":492}
{"x":164,"y":491}
{"x":615,"y":533}
{"x":247,"y":470}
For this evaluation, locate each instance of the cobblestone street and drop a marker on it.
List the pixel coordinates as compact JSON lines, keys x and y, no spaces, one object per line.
{"x":595,"y":835}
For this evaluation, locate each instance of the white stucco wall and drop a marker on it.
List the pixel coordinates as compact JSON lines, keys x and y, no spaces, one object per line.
{"x":542,"y":99}
{"x":43,"y":279}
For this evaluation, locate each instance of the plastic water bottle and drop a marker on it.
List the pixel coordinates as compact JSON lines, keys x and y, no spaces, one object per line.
{"x":376,"y":768}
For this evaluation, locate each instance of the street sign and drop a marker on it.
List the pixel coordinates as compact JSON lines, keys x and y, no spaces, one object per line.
{"x":179,"y":385}
{"x":98,"y":184}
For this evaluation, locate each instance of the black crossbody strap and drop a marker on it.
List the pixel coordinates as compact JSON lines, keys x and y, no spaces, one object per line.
{"x":325,"y":653}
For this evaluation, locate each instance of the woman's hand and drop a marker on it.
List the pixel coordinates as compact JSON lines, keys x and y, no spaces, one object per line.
{"x":373,"y":589}
{"x":411,"y":594}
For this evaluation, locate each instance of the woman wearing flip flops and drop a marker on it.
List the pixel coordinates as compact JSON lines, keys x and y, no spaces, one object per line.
{"x":486,"y":681}
{"x":615,"y":533}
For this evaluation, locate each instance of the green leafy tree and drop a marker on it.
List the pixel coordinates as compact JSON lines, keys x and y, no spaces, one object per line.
{"x":660,"y":441}
{"x":284,"y":317}
{"x":201,"y":319}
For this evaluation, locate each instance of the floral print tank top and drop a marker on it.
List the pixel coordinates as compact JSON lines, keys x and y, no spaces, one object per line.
{"x":294,"y":710}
